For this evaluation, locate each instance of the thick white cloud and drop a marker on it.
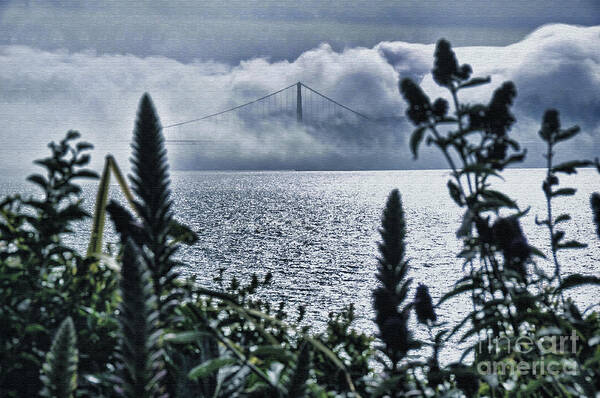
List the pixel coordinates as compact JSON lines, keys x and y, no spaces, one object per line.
{"x":45,"y":93}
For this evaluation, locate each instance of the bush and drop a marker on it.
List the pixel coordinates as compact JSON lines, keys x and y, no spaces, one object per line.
{"x":42,"y":280}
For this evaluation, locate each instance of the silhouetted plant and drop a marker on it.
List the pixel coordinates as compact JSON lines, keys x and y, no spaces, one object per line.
{"x":56,"y":210}
{"x":508,"y":300}
{"x":392,"y":273}
{"x":476,"y":151}
{"x":150,"y":182}
{"x":446,"y":70}
{"x":552,"y":134}
{"x":391,"y":320}
{"x":139,"y":350}
{"x":59,"y":372}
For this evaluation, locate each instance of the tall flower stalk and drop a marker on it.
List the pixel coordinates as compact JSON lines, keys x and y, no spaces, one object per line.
{"x":392,"y":271}
{"x":150,"y":181}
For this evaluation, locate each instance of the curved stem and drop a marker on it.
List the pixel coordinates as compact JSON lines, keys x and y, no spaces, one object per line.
{"x":448,"y":158}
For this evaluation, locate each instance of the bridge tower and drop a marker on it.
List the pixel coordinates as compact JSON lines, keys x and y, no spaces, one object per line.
{"x":299,"y":102}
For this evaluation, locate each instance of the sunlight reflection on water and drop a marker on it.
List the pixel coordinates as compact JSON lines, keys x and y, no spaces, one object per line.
{"x":317,"y":232}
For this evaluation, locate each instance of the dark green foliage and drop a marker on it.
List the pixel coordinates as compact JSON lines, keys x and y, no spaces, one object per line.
{"x":139,"y":352}
{"x":150,"y":182}
{"x":59,"y":372}
{"x":43,"y":280}
{"x":151,"y":179}
{"x":269,"y":341}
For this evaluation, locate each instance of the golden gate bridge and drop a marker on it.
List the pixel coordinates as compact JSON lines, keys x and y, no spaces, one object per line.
{"x":297,"y":102}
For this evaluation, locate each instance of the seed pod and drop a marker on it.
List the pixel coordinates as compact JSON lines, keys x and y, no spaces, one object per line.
{"x":419,"y":105}
{"x":424,"y":305}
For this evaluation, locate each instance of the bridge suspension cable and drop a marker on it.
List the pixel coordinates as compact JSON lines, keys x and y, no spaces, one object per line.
{"x":335,"y":102}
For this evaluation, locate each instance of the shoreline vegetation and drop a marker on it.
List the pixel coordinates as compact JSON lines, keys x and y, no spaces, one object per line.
{"x":123,"y":322}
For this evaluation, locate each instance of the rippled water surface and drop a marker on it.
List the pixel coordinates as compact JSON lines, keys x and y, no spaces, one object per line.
{"x":317,"y":231}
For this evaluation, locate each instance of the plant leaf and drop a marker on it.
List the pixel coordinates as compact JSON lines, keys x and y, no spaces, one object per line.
{"x":415,"y":140}
{"x":570,"y":167}
{"x":476,"y":81}
{"x":562,"y":218}
{"x":564,"y":192}
{"x":212,"y":365}
{"x":572,"y":244}
{"x":455,"y":193}
{"x":566,"y":134}
{"x":575,"y":280}
{"x":500,"y":197}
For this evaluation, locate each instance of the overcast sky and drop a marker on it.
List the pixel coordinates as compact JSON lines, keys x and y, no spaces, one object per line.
{"x":231,"y":31}
{"x":84,"y":65}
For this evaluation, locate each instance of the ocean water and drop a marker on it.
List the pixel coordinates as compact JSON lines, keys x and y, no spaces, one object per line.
{"x":316,"y":232}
